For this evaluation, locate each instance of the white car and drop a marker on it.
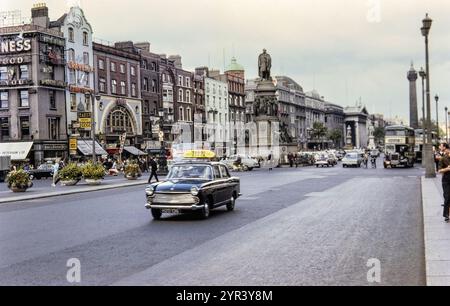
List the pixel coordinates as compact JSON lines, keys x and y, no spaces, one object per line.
{"x":352,"y":160}
{"x":247,"y":162}
{"x":322,"y":160}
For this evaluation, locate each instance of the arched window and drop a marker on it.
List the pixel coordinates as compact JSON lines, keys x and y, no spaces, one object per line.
{"x":71,"y":35}
{"x":119,"y":121}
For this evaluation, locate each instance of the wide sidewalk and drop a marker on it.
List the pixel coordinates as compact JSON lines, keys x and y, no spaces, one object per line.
{"x":43,"y":188}
{"x":436,"y":233}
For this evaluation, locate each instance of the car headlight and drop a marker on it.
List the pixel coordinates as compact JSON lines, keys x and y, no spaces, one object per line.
{"x":194,"y":191}
{"x":149,"y":191}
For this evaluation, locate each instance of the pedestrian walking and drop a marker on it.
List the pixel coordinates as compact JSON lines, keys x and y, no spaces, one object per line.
{"x":56,"y":173}
{"x":444,"y":169}
{"x":291,"y":159}
{"x":438,"y":153}
{"x":296,"y":160}
{"x":153,"y":169}
{"x":269,"y":161}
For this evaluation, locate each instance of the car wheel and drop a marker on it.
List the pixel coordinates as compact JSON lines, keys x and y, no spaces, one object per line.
{"x":205,"y":211}
{"x":156,"y":213}
{"x":38,"y":177}
{"x":230,"y":205}
{"x":250,"y":169}
{"x":317,"y":166}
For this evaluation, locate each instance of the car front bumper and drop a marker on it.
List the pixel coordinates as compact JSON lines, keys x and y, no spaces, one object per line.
{"x":179,"y":207}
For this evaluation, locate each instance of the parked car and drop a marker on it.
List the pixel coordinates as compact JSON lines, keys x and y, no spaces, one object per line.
{"x":352,"y":159}
{"x":323,"y":160}
{"x":247,"y":162}
{"x":375,"y":153}
{"x":193,"y":186}
{"x":43,"y":171}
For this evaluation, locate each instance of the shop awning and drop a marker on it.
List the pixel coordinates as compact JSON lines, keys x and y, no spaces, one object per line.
{"x":17,"y":150}
{"x":85,"y":146}
{"x":135,"y":151}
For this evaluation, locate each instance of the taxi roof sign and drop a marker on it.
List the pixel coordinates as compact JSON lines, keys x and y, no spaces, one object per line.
{"x":199,"y":154}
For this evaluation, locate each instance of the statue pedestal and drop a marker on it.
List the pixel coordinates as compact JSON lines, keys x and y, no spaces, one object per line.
{"x":371,"y":145}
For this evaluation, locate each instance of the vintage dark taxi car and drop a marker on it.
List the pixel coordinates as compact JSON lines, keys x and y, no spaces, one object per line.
{"x":193,"y":186}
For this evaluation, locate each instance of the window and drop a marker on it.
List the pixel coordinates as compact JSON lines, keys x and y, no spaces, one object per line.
{"x":188,"y":114}
{"x":133,"y":70}
{"x":180,"y":95}
{"x":85,"y":38}
{"x":122,"y":68}
{"x":25,"y":127}
{"x":133,"y":89}
{"x":102,"y":85}
{"x":86,"y":58}
{"x":3,"y":73}
{"x":188,"y":82}
{"x":114,"y":86}
{"x":145,"y":84}
{"x":224,"y":171}
{"x":87,"y":102}
{"x":24,"y":99}
{"x":101,"y":64}
{"x":24,"y":72}
{"x":4,"y":128}
{"x":113,"y":67}
{"x":52,"y":99}
{"x":71,"y":55}
{"x":53,"y":128}
{"x":153,"y":85}
{"x":72,"y":77}
{"x":73,"y":102}
{"x":123,"y":88}
{"x":188,"y":96}
{"x":216,"y":172}
{"x":119,"y":121}
{"x":181,"y":114}
{"x":145,"y":64}
{"x":4,"y":99}
{"x":180,"y":80}
{"x":71,"y":35}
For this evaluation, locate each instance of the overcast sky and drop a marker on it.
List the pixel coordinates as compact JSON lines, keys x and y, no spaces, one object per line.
{"x":345,"y":49}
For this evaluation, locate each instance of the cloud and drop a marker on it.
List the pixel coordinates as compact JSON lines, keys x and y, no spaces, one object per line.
{"x":327,"y":44}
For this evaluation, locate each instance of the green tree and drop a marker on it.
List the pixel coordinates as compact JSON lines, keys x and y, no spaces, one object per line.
{"x":378,"y":134}
{"x":319,"y":131}
{"x":335,"y":135}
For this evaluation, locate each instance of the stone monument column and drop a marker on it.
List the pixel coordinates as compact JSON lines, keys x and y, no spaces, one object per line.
{"x":413,"y":112}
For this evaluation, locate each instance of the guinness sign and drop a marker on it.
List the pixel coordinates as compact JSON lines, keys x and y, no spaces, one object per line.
{"x":15,"y":46}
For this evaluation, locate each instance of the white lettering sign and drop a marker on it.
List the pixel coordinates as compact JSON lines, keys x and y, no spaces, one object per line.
{"x":12,"y":46}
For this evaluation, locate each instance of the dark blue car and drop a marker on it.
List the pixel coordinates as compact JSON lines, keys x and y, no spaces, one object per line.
{"x":193,"y":186}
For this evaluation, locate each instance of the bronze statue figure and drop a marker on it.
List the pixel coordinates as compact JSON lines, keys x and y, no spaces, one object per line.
{"x":264,"y":65}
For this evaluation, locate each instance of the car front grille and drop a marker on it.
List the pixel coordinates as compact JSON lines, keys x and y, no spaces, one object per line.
{"x":174,"y":198}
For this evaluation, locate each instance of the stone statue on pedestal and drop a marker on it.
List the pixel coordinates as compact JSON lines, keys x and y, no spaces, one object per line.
{"x":264,"y":65}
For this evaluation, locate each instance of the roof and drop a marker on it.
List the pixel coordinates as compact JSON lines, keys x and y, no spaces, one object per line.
{"x":58,"y":23}
{"x":288,"y":82}
{"x":234,"y":66}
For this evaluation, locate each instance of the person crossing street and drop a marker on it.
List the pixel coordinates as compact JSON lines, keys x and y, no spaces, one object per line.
{"x":153,"y":169}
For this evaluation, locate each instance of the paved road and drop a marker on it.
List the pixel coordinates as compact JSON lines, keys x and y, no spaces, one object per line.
{"x":303,"y":226}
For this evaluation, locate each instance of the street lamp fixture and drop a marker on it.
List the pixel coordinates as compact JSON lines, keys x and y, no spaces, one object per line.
{"x":428,"y":146}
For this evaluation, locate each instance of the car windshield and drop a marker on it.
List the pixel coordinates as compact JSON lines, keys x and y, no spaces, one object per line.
{"x":190,"y":172}
{"x":351,"y":156}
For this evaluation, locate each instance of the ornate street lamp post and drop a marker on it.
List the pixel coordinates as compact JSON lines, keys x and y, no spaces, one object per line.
{"x":436,"y":97}
{"x":93,"y":98}
{"x":446,"y":124}
{"x":430,"y":171}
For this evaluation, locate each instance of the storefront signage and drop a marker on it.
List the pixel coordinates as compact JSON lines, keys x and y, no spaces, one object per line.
{"x":55,"y":147}
{"x":15,"y":46}
{"x":53,"y":83}
{"x":10,"y":83}
{"x":73,"y":145}
{"x":52,"y":40}
{"x":15,"y":60}
{"x":85,"y":123}
{"x":84,"y":115}
{"x":80,"y":67}
{"x":75,"y":89}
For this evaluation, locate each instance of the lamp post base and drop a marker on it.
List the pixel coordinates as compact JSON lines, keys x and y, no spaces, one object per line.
{"x":430,"y":170}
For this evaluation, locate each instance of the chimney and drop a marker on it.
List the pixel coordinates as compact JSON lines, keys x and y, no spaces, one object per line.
{"x":39,"y":15}
{"x":125,"y":46}
{"x":202,"y":71}
{"x":143,"y":46}
{"x":177,"y":61}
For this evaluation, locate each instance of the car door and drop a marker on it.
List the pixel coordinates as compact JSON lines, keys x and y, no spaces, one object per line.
{"x":217,"y":191}
{"x":229,"y":184}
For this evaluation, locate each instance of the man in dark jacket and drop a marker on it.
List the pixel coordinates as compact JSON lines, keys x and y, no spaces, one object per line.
{"x":153,"y":168}
{"x":444,"y":169}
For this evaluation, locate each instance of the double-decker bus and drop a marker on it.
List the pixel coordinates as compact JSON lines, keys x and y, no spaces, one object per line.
{"x":399,"y":143}
{"x":419,"y":140}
